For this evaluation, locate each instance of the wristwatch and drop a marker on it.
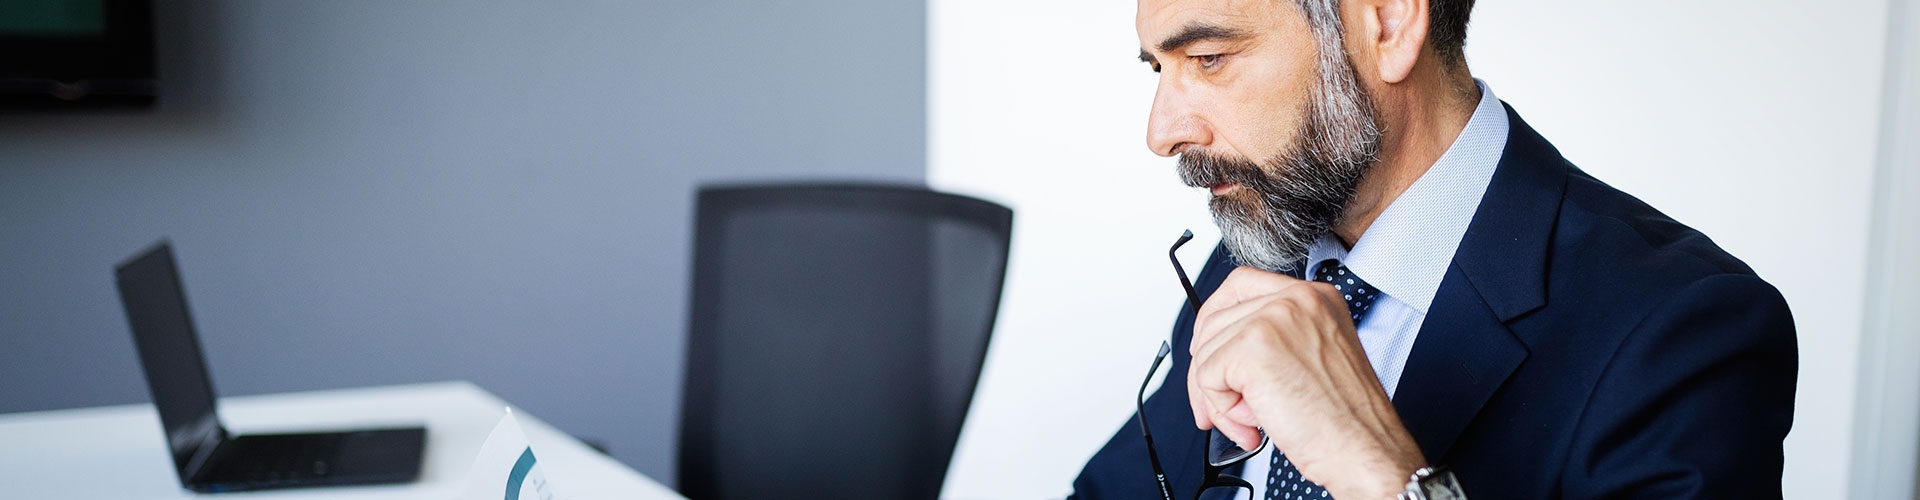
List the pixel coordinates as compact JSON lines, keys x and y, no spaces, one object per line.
{"x":1433,"y":483}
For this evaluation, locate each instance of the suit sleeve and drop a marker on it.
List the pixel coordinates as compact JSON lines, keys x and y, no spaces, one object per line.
{"x":1696,"y":401}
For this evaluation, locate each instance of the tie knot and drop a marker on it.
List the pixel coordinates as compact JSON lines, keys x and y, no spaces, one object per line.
{"x":1358,"y":294}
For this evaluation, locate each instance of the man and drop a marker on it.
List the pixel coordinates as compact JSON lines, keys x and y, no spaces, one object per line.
{"x":1414,"y":285}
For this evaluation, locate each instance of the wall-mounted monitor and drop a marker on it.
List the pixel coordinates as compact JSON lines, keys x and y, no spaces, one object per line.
{"x":57,"y":54}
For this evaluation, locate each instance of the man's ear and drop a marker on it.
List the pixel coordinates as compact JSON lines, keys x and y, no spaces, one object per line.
{"x":1400,"y":36}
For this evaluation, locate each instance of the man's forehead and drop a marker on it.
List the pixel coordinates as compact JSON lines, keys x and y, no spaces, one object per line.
{"x":1159,"y":18}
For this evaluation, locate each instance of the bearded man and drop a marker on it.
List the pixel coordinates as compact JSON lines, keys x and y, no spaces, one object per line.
{"x":1416,"y":296}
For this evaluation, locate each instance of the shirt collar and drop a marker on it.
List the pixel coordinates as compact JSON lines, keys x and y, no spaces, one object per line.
{"x":1405,"y":252}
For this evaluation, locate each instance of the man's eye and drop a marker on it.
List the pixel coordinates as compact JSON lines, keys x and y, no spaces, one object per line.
{"x":1208,"y":61}
{"x":1155,"y":66}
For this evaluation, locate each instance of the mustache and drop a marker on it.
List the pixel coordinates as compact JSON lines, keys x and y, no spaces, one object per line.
{"x":1201,"y":169}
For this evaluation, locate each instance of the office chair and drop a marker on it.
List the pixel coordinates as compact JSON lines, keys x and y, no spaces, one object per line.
{"x":836,"y":335}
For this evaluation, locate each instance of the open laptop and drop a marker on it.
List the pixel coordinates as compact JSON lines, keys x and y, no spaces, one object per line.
{"x":207,"y":458}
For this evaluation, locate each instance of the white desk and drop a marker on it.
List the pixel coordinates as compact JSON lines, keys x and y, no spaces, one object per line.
{"x":117,"y":452}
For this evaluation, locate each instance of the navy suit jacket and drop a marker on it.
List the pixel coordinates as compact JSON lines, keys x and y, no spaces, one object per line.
{"x":1582,"y":345}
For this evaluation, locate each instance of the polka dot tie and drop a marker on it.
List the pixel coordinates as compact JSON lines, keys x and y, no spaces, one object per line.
{"x":1359,"y":294}
{"x":1283,"y":479}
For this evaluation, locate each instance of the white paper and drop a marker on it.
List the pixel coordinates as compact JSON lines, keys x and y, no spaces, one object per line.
{"x":507,"y":468}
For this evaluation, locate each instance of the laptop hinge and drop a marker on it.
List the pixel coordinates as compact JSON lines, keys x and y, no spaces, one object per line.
{"x":203,"y":453}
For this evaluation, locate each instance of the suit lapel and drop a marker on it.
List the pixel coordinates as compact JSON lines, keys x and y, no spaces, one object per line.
{"x":1465,"y":350}
{"x":1463,"y":355}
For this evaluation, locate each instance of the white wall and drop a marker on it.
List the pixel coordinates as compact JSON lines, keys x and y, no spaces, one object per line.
{"x":1885,"y":434}
{"x":1041,"y":105}
{"x":1755,"y":122}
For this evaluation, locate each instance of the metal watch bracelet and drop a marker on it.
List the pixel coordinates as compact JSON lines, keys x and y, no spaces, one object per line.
{"x":1433,"y":483}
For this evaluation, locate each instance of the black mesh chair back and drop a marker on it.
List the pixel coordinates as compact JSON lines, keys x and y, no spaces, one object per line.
{"x":836,"y":336}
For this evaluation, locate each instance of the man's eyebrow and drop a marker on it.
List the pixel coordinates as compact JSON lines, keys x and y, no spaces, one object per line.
{"x":1198,"y":32}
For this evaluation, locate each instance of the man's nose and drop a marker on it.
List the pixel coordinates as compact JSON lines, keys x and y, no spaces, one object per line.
{"x":1172,"y":124}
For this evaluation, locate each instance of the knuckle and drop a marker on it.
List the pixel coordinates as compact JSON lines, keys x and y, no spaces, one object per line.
{"x":1284,"y":306}
{"x":1322,"y":291}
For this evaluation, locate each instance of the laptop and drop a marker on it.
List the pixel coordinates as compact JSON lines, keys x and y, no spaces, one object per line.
{"x":206,"y":456}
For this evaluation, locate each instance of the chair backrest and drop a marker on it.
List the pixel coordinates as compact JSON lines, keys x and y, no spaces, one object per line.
{"x":836,"y":336}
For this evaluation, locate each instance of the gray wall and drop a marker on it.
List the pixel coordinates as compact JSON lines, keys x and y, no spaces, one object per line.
{"x":372,"y":192}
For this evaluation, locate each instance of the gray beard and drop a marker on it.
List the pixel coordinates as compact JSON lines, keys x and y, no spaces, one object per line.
{"x":1287,"y":202}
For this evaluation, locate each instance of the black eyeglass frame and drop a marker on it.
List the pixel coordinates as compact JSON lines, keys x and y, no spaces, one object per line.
{"x":1212,"y":476}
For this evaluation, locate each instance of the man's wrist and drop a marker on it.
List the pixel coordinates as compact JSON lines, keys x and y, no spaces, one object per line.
{"x":1390,"y":484}
{"x":1382,"y":478}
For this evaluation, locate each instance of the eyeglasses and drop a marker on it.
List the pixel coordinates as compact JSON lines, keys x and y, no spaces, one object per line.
{"x":1221,"y":451}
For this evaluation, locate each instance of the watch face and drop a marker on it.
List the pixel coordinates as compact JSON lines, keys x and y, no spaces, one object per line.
{"x":1443,"y":486}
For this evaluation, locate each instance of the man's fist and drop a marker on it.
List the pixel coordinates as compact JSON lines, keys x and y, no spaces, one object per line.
{"x":1277,"y":353}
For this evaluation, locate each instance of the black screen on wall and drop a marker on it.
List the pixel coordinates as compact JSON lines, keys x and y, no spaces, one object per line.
{"x":76,"y":53}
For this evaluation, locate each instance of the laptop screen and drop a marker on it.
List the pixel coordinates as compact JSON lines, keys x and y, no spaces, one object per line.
{"x":169,"y":352}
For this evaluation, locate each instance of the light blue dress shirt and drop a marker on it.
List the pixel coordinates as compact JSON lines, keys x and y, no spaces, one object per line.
{"x":1406,"y":251}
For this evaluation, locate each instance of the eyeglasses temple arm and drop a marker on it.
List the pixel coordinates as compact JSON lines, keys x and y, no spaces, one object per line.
{"x":1140,"y":403}
{"x":1193,"y":298}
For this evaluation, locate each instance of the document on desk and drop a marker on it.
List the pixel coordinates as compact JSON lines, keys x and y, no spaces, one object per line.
{"x":507,"y":468}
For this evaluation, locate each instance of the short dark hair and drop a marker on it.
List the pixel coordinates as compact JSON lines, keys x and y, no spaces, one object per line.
{"x":1446,"y":26}
{"x":1447,"y":29}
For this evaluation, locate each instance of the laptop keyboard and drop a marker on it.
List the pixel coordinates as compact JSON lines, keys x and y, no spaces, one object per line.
{"x":286,"y":458}
{"x":296,"y":460}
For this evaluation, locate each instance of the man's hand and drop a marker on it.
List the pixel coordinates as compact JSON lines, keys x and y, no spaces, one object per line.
{"x":1278,"y":353}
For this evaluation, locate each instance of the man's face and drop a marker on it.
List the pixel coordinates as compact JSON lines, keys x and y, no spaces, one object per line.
{"x":1263,"y":112}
